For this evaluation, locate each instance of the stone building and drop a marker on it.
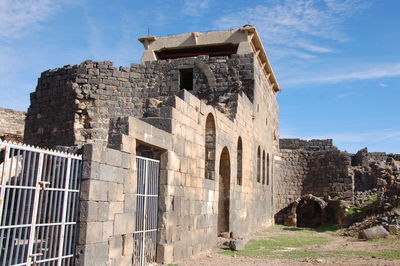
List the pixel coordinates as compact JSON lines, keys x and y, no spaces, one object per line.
{"x":204,"y":104}
{"x":201,"y":107}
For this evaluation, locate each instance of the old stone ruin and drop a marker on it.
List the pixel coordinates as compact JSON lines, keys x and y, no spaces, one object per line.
{"x":319,"y":183}
{"x":12,"y":125}
{"x":202,"y":107}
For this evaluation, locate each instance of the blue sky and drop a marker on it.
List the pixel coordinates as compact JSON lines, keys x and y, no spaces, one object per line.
{"x":337,"y":61}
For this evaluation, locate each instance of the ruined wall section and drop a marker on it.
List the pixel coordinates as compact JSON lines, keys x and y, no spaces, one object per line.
{"x":51,"y":115}
{"x":311,"y":145}
{"x":73,"y":105}
{"x":290,"y":171}
{"x":12,"y":124}
{"x":324,"y":174}
{"x":330,"y":175}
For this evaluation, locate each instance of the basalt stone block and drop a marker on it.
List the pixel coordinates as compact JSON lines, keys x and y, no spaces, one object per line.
{"x":373,"y":233}
{"x":92,"y":254}
{"x":238,"y":244}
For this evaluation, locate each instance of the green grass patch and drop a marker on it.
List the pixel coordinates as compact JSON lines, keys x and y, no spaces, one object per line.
{"x":275,"y":246}
{"x":299,"y":229}
{"x":392,"y":254}
{"x":365,"y":208}
{"x":353,"y":210}
{"x":329,"y":227}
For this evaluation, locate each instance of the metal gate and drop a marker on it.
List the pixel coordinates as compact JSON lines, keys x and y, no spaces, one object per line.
{"x":39,"y":196}
{"x":145,"y":237}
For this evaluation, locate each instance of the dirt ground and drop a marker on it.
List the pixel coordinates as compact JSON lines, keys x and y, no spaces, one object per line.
{"x":338,"y":250}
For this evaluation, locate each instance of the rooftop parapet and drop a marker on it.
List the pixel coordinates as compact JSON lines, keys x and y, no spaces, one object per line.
{"x":244,"y":40}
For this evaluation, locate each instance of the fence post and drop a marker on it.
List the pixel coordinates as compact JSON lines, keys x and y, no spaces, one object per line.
{"x":64,"y":208}
{"x":35,"y":207}
{"x":3,"y":181}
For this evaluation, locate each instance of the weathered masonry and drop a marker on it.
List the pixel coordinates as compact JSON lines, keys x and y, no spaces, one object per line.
{"x":12,"y":124}
{"x":204,"y":107}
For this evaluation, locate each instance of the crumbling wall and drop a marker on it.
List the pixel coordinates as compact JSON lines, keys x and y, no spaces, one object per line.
{"x":329,"y":175}
{"x":324,"y":173}
{"x":310,"y":145}
{"x":89,"y":94}
{"x":52,"y":112}
{"x":12,"y":124}
{"x":363,"y":157}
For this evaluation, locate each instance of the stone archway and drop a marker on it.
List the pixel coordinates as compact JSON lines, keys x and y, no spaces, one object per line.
{"x":306,"y":211}
{"x":224,"y":192}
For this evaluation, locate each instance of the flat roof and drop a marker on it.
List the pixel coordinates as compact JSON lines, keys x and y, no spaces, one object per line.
{"x":245,"y":40}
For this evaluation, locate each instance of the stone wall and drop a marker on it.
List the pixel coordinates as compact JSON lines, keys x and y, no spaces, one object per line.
{"x":313,"y":145}
{"x":12,"y":124}
{"x":189,"y":203}
{"x":117,"y":108}
{"x":363,"y":157}
{"x":72,"y":105}
{"x":107,"y":206}
{"x":325,"y":173}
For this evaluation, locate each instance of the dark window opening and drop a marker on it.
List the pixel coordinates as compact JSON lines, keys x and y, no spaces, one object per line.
{"x":210,"y":143}
{"x":148,"y":151}
{"x":210,"y":50}
{"x":186,"y":79}
{"x":258,"y":165}
{"x":239,"y":161}
{"x":268,"y":169}
{"x":263,"y":168}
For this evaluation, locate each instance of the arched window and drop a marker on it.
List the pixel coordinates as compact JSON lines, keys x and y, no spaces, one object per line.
{"x":263,"y":168}
{"x":239,"y":161}
{"x":268,"y":169}
{"x":258,"y":164}
{"x":210,"y":139}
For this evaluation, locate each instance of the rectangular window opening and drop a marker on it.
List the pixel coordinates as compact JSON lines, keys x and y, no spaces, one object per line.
{"x":186,"y":79}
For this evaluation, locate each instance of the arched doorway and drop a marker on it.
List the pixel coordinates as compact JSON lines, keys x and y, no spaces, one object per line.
{"x":224,"y":191}
{"x":309,"y":214}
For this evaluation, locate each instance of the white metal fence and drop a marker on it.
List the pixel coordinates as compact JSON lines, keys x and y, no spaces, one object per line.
{"x":39,"y":197}
{"x":145,"y":237}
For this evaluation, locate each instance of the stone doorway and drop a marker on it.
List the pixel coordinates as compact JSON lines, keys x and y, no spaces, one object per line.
{"x":224,"y":191}
{"x":309,"y":214}
{"x":306,"y":211}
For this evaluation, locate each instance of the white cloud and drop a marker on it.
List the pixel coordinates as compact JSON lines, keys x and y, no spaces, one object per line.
{"x":375,"y":72}
{"x":18,"y":17}
{"x":195,"y":7}
{"x":314,"y":48}
{"x":296,"y":24}
{"x":383,"y":85}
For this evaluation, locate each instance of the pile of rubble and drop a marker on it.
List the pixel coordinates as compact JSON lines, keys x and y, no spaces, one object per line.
{"x":384,"y":214}
{"x":388,"y":220}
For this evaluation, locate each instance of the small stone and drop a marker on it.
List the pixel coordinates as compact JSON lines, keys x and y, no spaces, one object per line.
{"x":225,"y":234}
{"x":393,"y":228}
{"x":237,"y":244}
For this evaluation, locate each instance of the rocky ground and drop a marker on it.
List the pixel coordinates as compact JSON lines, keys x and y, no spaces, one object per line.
{"x":281,"y":245}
